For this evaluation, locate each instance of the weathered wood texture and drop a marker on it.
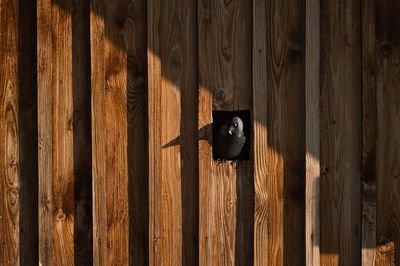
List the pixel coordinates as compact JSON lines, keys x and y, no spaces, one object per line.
{"x":285,"y":150}
{"x":224,"y":51}
{"x":64,"y":142}
{"x":173,"y":175}
{"x":45,"y":127}
{"x":109,"y":30}
{"x":313,"y":159}
{"x":108,"y":159}
{"x":10,"y":179}
{"x":61,"y":177}
{"x":260,"y":133}
{"x":388,"y":141}
{"x":369,"y":133}
{"x":62,"y":78}
{"x":340,"y":133}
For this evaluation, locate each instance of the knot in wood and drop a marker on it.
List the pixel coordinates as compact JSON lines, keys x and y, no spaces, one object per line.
{"x":61,"y":216}
{"x":13,"y":196}
{"x":13,"y":163}
{"x":70,"y":124}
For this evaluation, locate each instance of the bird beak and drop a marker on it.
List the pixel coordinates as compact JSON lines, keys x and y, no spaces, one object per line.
{"x":230,"y":130}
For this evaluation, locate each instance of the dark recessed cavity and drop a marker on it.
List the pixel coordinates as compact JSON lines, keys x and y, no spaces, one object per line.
{"x":220,"y":118}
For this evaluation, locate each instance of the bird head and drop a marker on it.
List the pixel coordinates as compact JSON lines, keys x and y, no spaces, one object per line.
{"x":234,"y":126}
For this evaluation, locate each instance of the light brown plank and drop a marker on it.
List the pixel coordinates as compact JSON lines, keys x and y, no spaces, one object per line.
{"x":369,"y":134}
{"x":340,"y":133}
{"x":45,"y":130}
{"x":260,"y":133}
{"x":313,"y":167}
{"x":9,"y":135}
{"x":56,"y":134}
{"x":172,"y":132}
{"x":109,"y":131}
{"x":62,"y":138}
{"x":388,"y":128}
{"x":224,"y":84}
{"x":156,"y":244}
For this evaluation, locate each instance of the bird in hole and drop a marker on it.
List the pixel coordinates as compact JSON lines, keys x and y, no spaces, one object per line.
{"x":229,"y":139}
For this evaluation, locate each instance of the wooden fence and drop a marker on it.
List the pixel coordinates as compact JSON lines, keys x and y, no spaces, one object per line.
{"x":106,"y":112}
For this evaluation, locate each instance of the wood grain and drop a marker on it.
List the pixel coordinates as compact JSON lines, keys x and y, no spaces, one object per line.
{"x":45,"y":130}
{"x":340,"y":133}
{"x":369,"y":134}
{"x":313,"y":166}
{"x":260,"y":133}
{"x":172,"y":132}
{"x":285,"y":149}
{"x":62,"y":136}
{"x":321,"y":81}
{"x":9,"y":131}
{"x":56,"y":85}
{"x":224,"y":49}
{"x":388,"y":141}
{"x":108,"y":21}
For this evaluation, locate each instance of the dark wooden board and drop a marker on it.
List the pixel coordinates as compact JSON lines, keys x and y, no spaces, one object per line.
{"x":388,"y":137}
{"x":369,"y":133}
{"x":313,"y":116}
{"x":340,"y":133}
{"x":285,"y":101}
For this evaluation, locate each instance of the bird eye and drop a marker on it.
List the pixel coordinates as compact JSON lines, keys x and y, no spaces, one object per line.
{"x":235,"y":125}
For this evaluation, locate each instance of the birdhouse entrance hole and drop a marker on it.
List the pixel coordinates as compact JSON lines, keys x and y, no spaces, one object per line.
{"x":220,"y":118}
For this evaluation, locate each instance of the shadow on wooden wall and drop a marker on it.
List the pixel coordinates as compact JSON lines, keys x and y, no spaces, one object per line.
{"x":143,"y":78}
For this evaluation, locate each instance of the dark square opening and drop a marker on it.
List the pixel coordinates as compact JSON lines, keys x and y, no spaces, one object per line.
{"x":220,"y":118}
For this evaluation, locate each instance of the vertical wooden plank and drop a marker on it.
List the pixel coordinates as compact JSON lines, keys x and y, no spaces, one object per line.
{"x":136,"y":39}
{"x":340,"y":133}
{"x":45,"y":130}
{"x":28,"y":131}
{"x":188,"y":82}
{"x":224,"y":84}
{"x":285,"y":125}
{"x":388,"y":128}
{"x":313,"y":166}
{"x":97,"y":36}
{"x":172,"y":132}
{"x":83,"y":251}
{"x":369,"y":134}
{"x":62,"y":139}
{"x":55,"y":126}
{"x":109,"y":131}
{"x":156,"y":243}
{"x":260,"y":133}
{"x":244,"y":234}
{"x":9,"y":132}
